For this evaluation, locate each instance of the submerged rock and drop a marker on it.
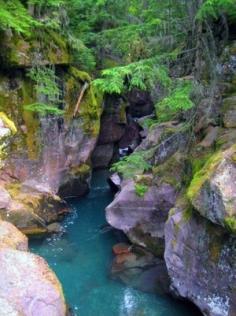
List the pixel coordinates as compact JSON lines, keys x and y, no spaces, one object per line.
{"x":140,"y":269}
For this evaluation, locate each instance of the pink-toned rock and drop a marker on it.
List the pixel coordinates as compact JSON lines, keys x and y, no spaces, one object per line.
{"x":121,"y":248}
{"x":5,"y":198}
{"x":125,"y":258}
{"x":28,"y":286}
{"x":11,"y":237}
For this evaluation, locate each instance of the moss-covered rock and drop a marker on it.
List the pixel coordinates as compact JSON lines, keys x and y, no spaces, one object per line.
{"x":90,"y":108}
{"x":212,"y":190}
{"x":17,"y":51}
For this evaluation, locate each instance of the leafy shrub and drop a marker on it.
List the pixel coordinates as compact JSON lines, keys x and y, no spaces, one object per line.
{"x":214,"y":8}
{"x":178,"y":100}
{"x":132,"y":165}
{"x":14,"y":15}
{"x":43,"y":109}
{"x":142,"y":75}
{"x":47,"y":89}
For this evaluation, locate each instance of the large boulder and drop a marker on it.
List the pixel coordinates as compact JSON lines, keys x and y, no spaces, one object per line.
{"x":201,"y":261}
{"x":28,"y":286}
{"x":213,"y":192}
{"x":11,"y":237}
{"x":142,"y":218}
{"x":29,"y":208}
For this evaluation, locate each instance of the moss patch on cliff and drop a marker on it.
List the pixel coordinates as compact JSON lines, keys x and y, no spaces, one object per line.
{"x":90,"y":108}
{"x":230,"y":224}
{"x":203,"y":174}
{"x":44,"y":45}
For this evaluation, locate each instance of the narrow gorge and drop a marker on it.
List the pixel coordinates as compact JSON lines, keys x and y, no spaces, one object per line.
{"x":117,"y":158}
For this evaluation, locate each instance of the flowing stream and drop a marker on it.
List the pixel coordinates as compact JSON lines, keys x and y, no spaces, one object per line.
{"x":82,"y":257}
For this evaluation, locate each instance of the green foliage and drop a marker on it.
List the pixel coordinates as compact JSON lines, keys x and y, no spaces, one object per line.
{"x":46,"y":83}
{"x":82,"y":56}
{"x":214,"y":8}
{"x":177,"y":101}
{"x":47,"y":90}
{"x":43,"y":109}
{"x":132,"y":165}
{"x":230,"y":224}
{"x":47,"y":3}
{"x":143,"y":75}
{"x":141,"y":189}
{"x":15,"y":16}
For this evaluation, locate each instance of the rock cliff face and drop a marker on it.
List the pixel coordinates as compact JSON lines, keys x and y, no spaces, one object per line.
{"x":188,"y":212}
{"x":30,"y":287}
{"x":48,"y":157}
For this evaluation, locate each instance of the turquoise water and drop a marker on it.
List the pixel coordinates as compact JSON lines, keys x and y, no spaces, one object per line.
{"x":81,"y":259}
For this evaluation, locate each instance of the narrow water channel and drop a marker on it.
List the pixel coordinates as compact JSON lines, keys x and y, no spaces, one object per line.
{"x":81,"y":259}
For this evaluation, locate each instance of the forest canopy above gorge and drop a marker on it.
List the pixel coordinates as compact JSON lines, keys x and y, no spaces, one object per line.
{"x":127,"y":44}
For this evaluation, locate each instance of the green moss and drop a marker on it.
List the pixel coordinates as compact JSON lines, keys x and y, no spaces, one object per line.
{"x":173,"y":171}
{"x":230,"y":224}
{"x":202,"y":175}
{"x":187,"y":214}
{"x":81,"y":75}
{"x":21,"y":51}
{"x":31,"y":121}
{"x":83,"y":169}
{"x":141,"y":189}
{"x":90,"y":108}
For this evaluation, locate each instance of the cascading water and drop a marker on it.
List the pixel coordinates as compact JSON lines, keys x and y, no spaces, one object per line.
{"x":81,"y":258}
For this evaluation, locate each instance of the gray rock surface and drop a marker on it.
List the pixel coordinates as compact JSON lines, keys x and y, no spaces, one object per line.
{"x":201,"y":261}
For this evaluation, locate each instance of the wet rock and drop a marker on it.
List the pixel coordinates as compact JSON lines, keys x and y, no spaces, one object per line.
{"x":11,"y":237}
{"x":201,"y":261}
{"x":55,"y":228}
{"x":102,"y":155}
{"x":28,"y":286}
{"x":213,"y":192}
{"x":142,"y":218}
